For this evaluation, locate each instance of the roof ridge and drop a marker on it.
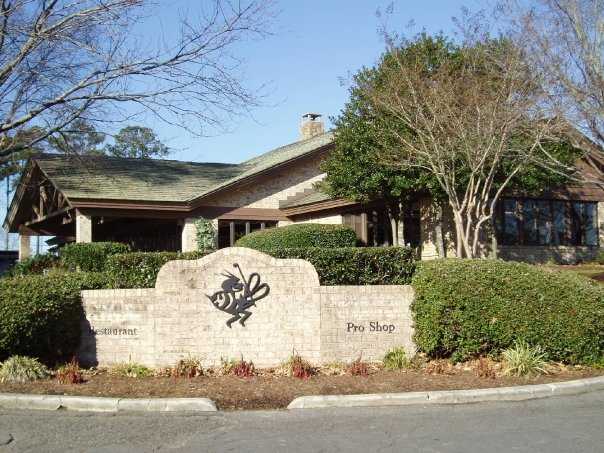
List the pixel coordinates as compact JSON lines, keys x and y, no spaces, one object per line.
{"x":136,"y":159}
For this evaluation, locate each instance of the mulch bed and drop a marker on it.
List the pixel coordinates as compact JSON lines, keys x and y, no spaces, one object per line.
{"x":269,"y":391}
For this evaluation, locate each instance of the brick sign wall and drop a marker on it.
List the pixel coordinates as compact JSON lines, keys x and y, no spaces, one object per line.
{"x":239,"y":302}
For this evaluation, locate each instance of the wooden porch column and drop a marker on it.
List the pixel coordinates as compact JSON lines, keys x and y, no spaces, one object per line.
{"x":24,"y":247}
{"x":83,"y":228}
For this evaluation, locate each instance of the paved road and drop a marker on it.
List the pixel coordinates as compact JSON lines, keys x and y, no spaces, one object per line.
{"x":564,"y":424}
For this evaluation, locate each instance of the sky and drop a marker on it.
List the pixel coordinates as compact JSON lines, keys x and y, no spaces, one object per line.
{"x":315,"y":45}
{"x":314,"y":48}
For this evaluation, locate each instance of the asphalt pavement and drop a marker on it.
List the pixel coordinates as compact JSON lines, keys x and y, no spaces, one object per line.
{"x":559,"y":424}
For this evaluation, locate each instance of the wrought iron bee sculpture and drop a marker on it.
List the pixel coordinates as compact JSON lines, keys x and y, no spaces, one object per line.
{"x":238,"y":294}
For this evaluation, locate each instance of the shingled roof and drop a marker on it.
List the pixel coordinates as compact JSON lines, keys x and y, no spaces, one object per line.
{"x":112,"y":178}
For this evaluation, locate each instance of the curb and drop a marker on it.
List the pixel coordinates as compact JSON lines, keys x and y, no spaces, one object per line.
{"x":518,"y":393}
{"x":103,"y":404}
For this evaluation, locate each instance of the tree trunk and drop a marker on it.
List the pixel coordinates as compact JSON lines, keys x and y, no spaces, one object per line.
{"x":438,"y":231}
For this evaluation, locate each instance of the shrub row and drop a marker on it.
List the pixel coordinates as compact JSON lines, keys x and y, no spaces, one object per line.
{"x":90,"y":257}
{"x":40,"y":315}
{"x":335,"y":266}
{"x":465,"y":308}
{"x":356,"y":265}
{"x":140,"y":269}
{"x":34,"y":265}
{"x":300,"y":235}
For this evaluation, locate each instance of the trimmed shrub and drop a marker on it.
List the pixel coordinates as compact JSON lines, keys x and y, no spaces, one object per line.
{"x":356,"y":265}
{"x":466,"y":308}
{"x":335,"y":266}
{"x":90,"y":257}
{"x":140,"y":269}
{"x":20,"y":369}
{"x":34,"y":265}
{"x":300,"y":235}
{"x":40,"y":315}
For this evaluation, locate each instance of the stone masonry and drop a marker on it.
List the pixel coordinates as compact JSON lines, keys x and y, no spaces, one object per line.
{"x":176,"y":319}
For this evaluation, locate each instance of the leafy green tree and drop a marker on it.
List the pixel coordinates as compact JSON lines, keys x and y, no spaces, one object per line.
{"x":80,"y":138}
{"x":370,"y":161}
{"x":137,"y":142}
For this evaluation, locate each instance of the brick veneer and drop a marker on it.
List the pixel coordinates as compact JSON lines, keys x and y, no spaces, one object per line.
{"x":175,"y":319}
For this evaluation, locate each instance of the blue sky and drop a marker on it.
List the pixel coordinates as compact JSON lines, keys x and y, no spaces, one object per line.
{"x":316,"y":44}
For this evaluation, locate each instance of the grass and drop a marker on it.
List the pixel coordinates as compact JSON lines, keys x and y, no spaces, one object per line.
{"x":590,"y":271}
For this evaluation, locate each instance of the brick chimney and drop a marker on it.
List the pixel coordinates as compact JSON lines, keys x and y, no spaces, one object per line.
{"x":311,"y":126}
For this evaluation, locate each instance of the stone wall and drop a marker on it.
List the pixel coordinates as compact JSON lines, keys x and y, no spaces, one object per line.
{"x":177,"y":318}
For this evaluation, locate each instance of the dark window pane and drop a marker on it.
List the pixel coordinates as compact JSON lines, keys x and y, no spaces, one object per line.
{"x":544,"y":222}
{"x":591,"y":224}
{"x":560,"y":231}
{"x":529,"y":217}
{"x":510,"y":222}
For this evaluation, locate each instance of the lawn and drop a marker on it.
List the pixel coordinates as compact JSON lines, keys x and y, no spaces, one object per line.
{"x":593,"y":271}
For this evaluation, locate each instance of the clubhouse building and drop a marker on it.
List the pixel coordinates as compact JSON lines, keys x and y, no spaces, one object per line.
{"x":153,"y":205}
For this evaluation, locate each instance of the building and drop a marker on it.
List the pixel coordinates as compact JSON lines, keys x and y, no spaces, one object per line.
{"x":153,"y":205}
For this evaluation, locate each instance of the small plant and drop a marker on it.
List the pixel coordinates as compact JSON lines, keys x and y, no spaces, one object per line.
{"x":243,"y":369}
{"x":19,"y":369}
{"x":205,"y":233}
{"x":484,"y":368}
{"x":188,"y":368}
{"x":132,"y":370}
{"x":70,"y":373}
{"x":358,"y":368}
{"x":297,"y":367}
{"x":524,"y":360}
{"x":396,"y":359}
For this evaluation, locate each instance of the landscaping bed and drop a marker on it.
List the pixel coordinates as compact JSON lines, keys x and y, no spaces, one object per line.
{"x":268,"y":390}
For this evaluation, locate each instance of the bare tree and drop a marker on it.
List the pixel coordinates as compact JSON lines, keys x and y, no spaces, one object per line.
{"x":473,"y":120}
{"x":64,"y":60}
{"x":564,"y":42}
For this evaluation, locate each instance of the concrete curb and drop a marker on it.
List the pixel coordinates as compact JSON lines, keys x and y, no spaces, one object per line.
{"x":102,"y":404}
{"x":518,"y":393}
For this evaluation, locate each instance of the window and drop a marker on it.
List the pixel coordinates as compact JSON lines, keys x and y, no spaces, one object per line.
{"x":229,"y":231}
{"x":547,"y":222}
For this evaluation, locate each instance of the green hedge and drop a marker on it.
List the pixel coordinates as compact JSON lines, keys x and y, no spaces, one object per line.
{"x":465,"y":308}
{"x":40,"y":315}
{"x":300,"y":235}
{"x":140,"y":269}
{"x":90,"y":257}
{"x":335,"y":266}
{"x":34,"y":265}
{"x":356,"y":265}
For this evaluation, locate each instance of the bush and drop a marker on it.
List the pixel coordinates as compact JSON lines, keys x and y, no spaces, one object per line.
{"x":300,"y":235}
{"x":356,"y":265}
{"x":297,"y":367}
{"x":600,"y":257}
{"x":131,"y":370}
{"x":34,"y":265}
{"x":466,"y":308}
{"x":90,"y":257}
{"x":20,"y":369}
{"x":140,"y":269}
{"x":396,"y":359}
{"x":524,"y":360}
{"x":40,"y":315}
{"x":70,"y":373}
{"x":188,"y":368}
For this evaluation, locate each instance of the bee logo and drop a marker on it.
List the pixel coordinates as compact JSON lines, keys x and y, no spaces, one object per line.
{"x":238,"y":294}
